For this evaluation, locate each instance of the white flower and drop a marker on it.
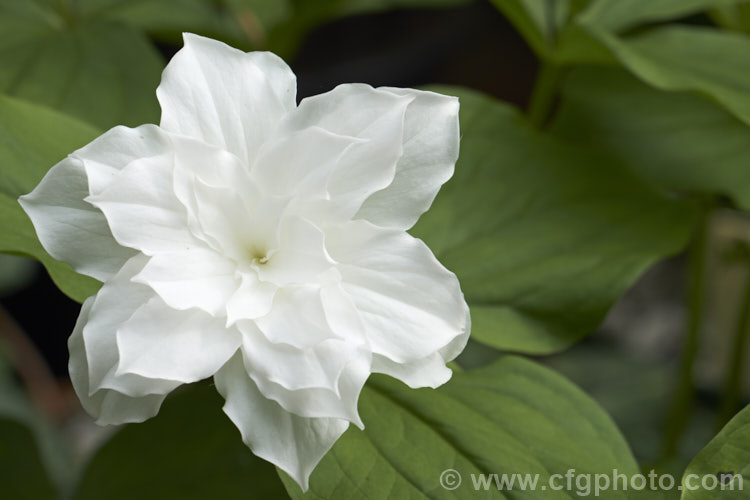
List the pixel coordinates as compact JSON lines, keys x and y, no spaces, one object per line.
{"x":261,"y":243}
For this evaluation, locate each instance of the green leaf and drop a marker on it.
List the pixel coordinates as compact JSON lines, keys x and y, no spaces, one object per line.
{"x":32,"y":139}
{"x":619,"y":15}
{"x":543,"y":235}
{"x":513,"y":416}
{"x":678,"y":58}
{"x":22,"y":473}
{"x":102,"y":72}
{"x":678,"y":141}
{"x":190,"y":451}
{"x":727,"y":455}
{"x":734,"y":17}
{"x":538,"y":21}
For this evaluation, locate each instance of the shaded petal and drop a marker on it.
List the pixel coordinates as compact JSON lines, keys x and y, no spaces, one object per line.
{"x":293,"y":443}
{"x":251,"y":300}
{"x":430,"y":142}
{"x":301,"y":254}
{"x":225,"y":97}
{"x":142,"y":210}
{"x":301,"y":163}
{"x":184,"y":346}
{"x":426,"y":372}
{"x":68,"y":227}
{"x":107,"y":406}
{"x":71,"y":229}
{"x":358,"y":111}
{"x":320,"y":381}
{"x":410,"y":304}
{"x":113,"y":305}
{"x":297,"y":318}
{"x":198,"y":277}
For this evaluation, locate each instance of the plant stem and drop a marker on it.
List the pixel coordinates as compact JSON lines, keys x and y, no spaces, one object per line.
{"x":544,"y":93}
{"x":683,"y":397}
{"x":732,"y":390}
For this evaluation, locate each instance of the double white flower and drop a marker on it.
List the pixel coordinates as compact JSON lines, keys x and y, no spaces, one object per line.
{"x":261,"y":243}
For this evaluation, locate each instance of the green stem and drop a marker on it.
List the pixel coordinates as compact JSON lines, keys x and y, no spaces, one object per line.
{"x":683,"y":397}
{"x":544,"y":93}
{"x":732,"y":391}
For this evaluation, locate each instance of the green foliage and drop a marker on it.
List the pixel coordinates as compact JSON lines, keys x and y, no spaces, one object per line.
{"x":513,"y":416}
{"x":677,"y":58}
{"x":620,"y":15}
{"x":726,"y":455}
{"x":684,"y":142}
{"x":104,"y":73}
{"x":543,"y":235}
{"x":191,"y":451}
{"x":32,"y":139}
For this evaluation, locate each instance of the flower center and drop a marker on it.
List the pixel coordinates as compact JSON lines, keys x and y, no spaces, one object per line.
{"x":258,"y":255}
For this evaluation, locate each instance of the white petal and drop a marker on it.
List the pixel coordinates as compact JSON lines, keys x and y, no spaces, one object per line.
{"x":105,"y":405}
{"x":114,"y":304}
{"x":410,"y":304}
{"x":359,"y":111}
{"x":184,"y":346}
{"x":300,"y":163}
{"x":251,"y":300}
{"x":142,"y":209}
{"x":197,"y":277}
{"x":293,"y":443}
{"x":426,"y":372}
{"x":320,"y":381}
{"x":297,"y":318}
{"x":430,"y":141}
{"x":301,"y":254}
{"x":71,"y":229}
{"x":225,"y":97}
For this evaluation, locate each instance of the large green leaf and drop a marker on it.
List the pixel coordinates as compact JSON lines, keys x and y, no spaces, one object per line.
{"x":726,"y":459}
{"x":32,"y":139}
{"x":512,"y":417}
{"x":677,"y":58}
{"x":619,"y":15}
{"x":543,"y":235}
{"x":103,"y":72}
{"x":190,"y":451}
{"x":677,"y":140}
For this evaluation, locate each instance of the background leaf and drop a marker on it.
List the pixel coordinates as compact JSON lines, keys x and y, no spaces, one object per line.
{"x":677,"y":140}
{"x":102,"y":72}
{"x":32,"y":139}
{"x":727,"y":453}
{"x":677,"y":58}
{"x":190,"y":451}
{"x":619,"y":15}
{"x":543,"y":236}
{"x":511,"y":417}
